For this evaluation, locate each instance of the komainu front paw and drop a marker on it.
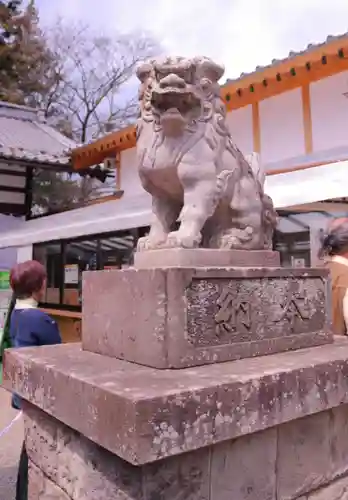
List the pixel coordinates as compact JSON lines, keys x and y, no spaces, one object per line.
{"x":151,"y":242}
{"x":143,"y":244}
{"x":179,"y":239}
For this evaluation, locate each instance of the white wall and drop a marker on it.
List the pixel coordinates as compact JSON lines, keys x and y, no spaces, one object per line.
{"x":281,"y":123}
{"x":24,"y":253}
{"x":329,"y":109}
{"x":8,"y":256}
{"x":240,"y":125}
{"x":130,"y":182}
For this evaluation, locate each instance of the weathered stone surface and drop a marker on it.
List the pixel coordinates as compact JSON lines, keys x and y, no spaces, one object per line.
{"x":142,"y":414}
{"x":245,"y":468}
{"x":339,"y":440}
{"x":129,"y":309}
{"x":288,"y":462}
{"x":42,"y":488}
{"x":185,"y":476}
{"x":338,"y":490}
{"x":81,"y":468}
{"x":204,"y":257}
{"x":276,"y":464}
{"x":88,"y":472}
{"x":304,"y":455}
{"x":314,"y":449}
{"x":175,"y":318}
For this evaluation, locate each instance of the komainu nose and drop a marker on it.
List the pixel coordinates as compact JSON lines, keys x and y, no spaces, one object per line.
{"x":172,"y":80}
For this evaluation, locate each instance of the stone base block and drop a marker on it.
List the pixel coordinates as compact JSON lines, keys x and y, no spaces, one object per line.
{"x":205,"y":257}
{"x":294,"y":461}
{"x":41,"y":487}
{"x":182,"y":317}
{"x":336,"y":490}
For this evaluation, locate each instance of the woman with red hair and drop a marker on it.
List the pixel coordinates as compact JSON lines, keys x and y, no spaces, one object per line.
{"x":29,"y":327}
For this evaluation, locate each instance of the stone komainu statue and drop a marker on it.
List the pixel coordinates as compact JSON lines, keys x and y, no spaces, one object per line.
{"x":189,"y":164}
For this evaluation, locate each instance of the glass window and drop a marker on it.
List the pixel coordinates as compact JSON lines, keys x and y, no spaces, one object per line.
{"x":292,"y":241}
{"x":79,"y":256}
{"x":65,"y":262}
{"x":117,"y":251}
{"x":50,"y":256}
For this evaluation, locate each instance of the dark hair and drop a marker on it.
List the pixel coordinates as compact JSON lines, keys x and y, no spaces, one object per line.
{"x":27,"y":278}
{"x":336,"y":241}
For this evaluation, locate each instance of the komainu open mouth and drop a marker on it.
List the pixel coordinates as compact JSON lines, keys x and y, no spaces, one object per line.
{"x":174,"y":99}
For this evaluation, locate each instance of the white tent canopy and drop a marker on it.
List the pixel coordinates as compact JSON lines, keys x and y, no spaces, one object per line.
{"x":290,"y":189}
{"x":95,"y":219}
{"x":326,"y":182}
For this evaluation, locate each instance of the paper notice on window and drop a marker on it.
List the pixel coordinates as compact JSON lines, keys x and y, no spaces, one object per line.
{"x":71,"y":274}
{"x":298,"y":262}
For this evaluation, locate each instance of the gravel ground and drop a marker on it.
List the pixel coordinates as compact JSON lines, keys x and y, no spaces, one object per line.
{"x":10,"y":446}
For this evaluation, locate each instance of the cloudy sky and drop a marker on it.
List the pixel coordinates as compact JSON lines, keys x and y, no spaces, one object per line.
{"x":239,"y":33}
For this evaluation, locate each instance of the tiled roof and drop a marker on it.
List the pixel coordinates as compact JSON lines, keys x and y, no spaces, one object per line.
{"x":25,"y":135}
{"x":311,"y":47}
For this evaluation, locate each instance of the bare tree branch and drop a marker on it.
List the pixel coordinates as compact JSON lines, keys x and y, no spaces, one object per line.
{"x":94,"y":87}
{"x":92,"y":91}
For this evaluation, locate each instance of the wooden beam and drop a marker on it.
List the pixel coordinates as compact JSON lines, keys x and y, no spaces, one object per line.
{"x":28,"y":192}
{"x":96,"y":152}
{"x":12,"y":173}
{"x":307,"y":118}
{"x":12,"y":189}
{"x":118,"y":178}
{"x":12,"y":209}
{"x":256,"y":127}
{"x":62,"y":312}
{"x":103,"y":199}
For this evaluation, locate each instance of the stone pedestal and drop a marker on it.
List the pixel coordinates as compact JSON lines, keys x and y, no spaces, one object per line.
{"x":180,"y":317}
{"x":180,"y":416}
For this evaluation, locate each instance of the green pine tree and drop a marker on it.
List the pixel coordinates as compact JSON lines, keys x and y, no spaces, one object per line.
{"x":26,"y":63}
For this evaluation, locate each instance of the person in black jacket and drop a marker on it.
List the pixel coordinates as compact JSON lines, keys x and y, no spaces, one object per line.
{"x":29,"y":327}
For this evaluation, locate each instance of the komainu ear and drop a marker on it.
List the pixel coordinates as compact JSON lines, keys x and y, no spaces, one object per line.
{"x":143,"y":71}
{"x":210,"y":69}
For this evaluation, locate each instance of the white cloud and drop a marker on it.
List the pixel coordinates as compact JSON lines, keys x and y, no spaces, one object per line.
{"x":240,"y":33}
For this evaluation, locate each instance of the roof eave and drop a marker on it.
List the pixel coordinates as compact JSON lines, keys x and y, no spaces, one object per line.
{"x":31,"y":163}
{"x":312,"y":54}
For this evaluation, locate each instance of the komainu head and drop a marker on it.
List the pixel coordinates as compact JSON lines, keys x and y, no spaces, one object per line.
{"x":177,"y":92}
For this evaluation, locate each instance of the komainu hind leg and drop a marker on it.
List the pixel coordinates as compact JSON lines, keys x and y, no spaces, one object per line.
{"x":235,"y":238}
{"x":253,"y":232}
{"x":239,"y":231}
